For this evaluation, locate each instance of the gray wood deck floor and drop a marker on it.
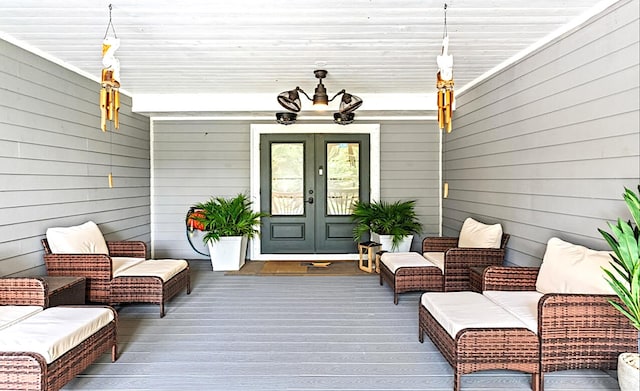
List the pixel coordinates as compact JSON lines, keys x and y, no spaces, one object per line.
{"x":291,"y":333}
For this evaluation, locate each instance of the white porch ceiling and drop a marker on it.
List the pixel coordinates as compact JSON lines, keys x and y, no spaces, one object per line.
{"x":230,"y":58}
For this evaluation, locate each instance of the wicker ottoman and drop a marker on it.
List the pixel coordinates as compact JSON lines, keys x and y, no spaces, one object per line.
{"x":475,"y":334}
{"x":152,"y":281}
{"x":406,"y":272}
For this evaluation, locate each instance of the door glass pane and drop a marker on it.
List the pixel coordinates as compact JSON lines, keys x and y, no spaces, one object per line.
{"x":343,"y":171}
{"x":287,"y":178}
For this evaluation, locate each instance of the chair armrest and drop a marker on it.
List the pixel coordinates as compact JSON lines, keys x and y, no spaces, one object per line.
{"x":23,"y":291}
{"x":467,"y":257}
{"x":457,"y":262}
{"x":582,"y":331}
{"x":565,"y":309}
{"x":438,"y":244}
{"x":94,"y":266}
{"x":509,"y":278}
{"x":127,"y":248}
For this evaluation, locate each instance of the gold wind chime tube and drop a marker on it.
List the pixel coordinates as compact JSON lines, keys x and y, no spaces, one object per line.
{"x":445,"y":104}
{"x":109,"y":101}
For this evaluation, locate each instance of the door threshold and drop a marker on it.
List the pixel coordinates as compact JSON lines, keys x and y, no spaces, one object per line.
{"x":305,"y":257}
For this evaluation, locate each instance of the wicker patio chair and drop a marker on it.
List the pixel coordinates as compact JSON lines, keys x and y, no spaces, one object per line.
{"x":28,"y":370}
{"x":130,"y":286}
{"x":454,"y":273}
{"x":490,"y":339}
{"x":576,"y":331}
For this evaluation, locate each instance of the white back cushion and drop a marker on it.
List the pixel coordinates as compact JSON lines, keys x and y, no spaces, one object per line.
{"x":80,"y":239}
{"x":479,"y":235}
{"x":571,"y":268}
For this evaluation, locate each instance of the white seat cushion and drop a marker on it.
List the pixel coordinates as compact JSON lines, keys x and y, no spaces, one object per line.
{"x":162,"y":268}
{"x":80,"y":239}
{"x":394,"y":261}
{"x":571,"y":268}
{"x":118,"y":264}
{"x":478,"y":235}
{"x":456,"y":311}
{"x":522,"y":304}
{"x":437,"y":258}
{"x":54,"y":331}
{"x":12,"y":314}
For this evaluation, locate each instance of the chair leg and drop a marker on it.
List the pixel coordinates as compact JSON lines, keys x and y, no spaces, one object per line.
{"x":162,"y":309}
{"x":380,"y":279}
{"x":535,"y":382}
{"x":420,"y":334}
{"x":456,"y":380}
{"x":395,"y":298}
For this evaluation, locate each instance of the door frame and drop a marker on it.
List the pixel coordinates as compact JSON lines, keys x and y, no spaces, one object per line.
{"x":373,"y":130}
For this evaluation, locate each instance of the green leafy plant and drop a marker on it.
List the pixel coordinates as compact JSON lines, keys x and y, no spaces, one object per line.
{"x":228,"y":217}
{"x":625,"y":243}
{"x":397,"y":219}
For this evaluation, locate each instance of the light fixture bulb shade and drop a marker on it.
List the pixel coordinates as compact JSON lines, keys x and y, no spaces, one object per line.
{"x":286,"y":118}
{"x":343,"y":118}
{"x":290,"y":100}
{"x":349,"y":103}
{"x":320,"y":97}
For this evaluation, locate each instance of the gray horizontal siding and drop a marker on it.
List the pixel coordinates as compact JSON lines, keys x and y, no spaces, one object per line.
{"x":409,"y":169}
{"x":546,"y":146}
{"x":195,"y":160}
{"x":54,"y":160}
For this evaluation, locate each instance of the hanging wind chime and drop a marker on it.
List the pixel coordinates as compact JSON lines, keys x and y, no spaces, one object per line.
{"x":109,"y":94}
{"x":445,"y":81}
{"x":110,"y":82}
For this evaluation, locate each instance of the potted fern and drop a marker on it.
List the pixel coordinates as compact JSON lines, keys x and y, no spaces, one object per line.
{"x":229,"y":224}
{"x":625,"y":281}
{"x":391,"y":224}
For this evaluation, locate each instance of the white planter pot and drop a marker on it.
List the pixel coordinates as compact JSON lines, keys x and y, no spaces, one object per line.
{"x":228,"y":253}
{"x":387,"y":243}
{"x":628,"y":372}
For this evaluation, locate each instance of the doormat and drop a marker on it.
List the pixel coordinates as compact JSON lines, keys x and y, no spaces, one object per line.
{"x":297,"y":268}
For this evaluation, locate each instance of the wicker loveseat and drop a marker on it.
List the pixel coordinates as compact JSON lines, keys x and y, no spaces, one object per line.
{"x":116,"y":272}
{"x":534,"y":320}
{"x":43,"y":349}
{"x":445,"y":261}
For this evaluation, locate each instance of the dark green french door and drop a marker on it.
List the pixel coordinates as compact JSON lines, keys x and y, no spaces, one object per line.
{"x":308,"y":183}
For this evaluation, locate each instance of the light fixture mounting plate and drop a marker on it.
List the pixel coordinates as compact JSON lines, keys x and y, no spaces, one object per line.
{"x":320,"y":73}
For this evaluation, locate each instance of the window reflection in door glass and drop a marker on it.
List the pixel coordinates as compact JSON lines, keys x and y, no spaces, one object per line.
{"x":343,"y":171}
{"x":287,"y":178}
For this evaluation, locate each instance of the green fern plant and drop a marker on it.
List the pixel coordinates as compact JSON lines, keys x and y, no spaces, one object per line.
{"x":228,"y":217}
{"x":625,"y":243}
{"x":398,"y":219}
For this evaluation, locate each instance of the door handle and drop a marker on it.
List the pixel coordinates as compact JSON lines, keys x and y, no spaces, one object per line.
{"x":310,"y":200}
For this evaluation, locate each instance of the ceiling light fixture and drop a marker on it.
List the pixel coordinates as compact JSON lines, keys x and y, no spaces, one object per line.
{"x":444,"y":81}
{"x":290,"y":100}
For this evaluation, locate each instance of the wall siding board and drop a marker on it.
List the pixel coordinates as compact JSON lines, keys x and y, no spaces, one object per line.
{"x":409,"y":170}
{"x":533,"y":134}
{"x":54,"y":160}
{"x":603,"y":37}
{"x":546,"y":146}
